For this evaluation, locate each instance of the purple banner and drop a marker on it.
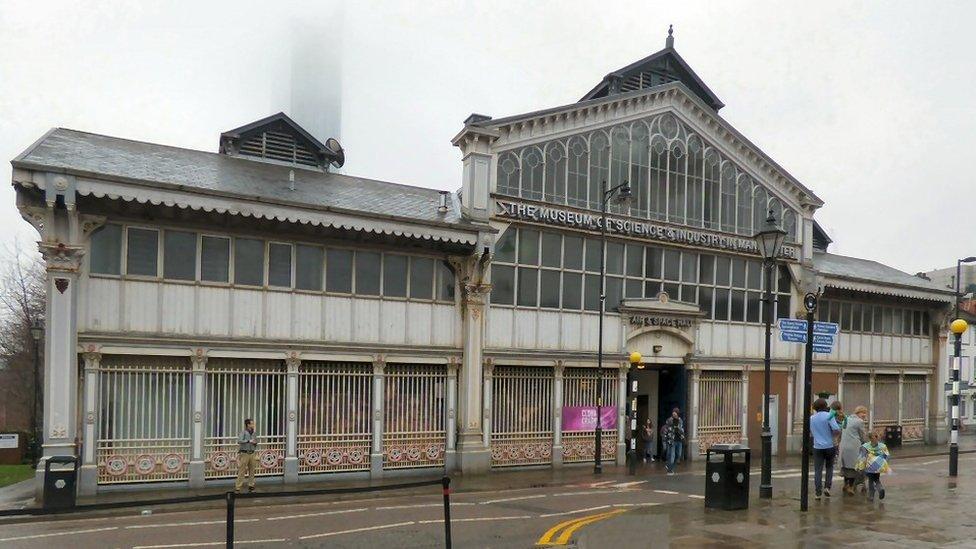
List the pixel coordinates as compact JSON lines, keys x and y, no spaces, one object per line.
{"x":583,"y":418}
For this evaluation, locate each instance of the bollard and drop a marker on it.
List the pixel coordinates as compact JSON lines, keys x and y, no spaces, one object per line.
{"x":230,"y":520}
{"x":446,"y":483}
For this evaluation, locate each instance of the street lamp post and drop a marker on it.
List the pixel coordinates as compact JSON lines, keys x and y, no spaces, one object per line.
{"x":958,"y":327}
{"x":37,"y":332}
{"x":769,"y":241}
{"x":624,"y":194}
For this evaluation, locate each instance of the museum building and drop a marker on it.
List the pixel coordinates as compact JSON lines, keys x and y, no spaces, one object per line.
{"x":372,"y":328}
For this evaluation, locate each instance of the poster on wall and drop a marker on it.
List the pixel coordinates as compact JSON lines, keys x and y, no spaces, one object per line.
{"x":583,"y":418}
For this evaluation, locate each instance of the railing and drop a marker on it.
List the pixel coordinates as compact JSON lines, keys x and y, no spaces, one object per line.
{"x":143,"y":420}
{"x":333,"y":424}
{"x":580,"y":389}
{"x":231,"y":503}
{"x":414,"y":432}
{"x":521,"y":416}
{"x":719,"y":409}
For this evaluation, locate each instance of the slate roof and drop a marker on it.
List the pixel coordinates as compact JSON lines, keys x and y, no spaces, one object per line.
{"x":160,"y":166}
{"x":864,"y":270}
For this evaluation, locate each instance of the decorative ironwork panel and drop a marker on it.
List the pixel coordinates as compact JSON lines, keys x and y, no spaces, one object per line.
{"x":719,"y":413}
{"x":857,"y":392}
{"x":238,"y":389}
{"x":580,"y":389}
{"x":334,"y":428}
{"x":413,"y":416}
{"x":144,"y":419}
{"x":521,"y":416}
{"x":914,"y":405}
{"x":885,"y":401}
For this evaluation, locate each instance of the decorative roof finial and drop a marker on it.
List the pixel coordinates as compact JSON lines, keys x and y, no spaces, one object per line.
{"x":670,"y":41}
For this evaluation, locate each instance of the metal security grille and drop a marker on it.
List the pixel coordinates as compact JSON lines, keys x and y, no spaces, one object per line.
{"x":238,"y":389}
{"x":334,"y":431}
{"x":885,"y":402}
{"x":857,"y":392}
{"x":521,"y":416}
{"x":913,"y":409}
{"x":144,"y":419}
{"x":719,"y":408}
{"x":413,"y":416}
{"x":579,"y":389}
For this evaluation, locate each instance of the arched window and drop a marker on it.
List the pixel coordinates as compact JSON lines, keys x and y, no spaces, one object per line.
{"x":532,"y":170}
{"x":599,"y":167}
{"x":508,"y":174}
{"x":789,"y":225}
{"x":658,"y":197}
{"x":712,"y":194}
{"x":728,"y":196}
{"x":677,"y":167}
{"x":639,"y":168}
{"x":555,"y":172}
{"x":759,"y":209}
{"x":619,"y":161}
{"x":696,"y":160}
{"x":777,"y":207}
{"x":578,"y":166}
{"x":743,"y":208}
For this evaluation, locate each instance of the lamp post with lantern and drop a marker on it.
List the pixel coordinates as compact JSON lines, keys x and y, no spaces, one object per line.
{"x":769,"y":241}
{"x":624,"y":194}
{"x":36,"y":332}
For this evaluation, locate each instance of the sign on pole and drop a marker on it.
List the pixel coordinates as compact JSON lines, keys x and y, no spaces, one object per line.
{"x":824,"y":334}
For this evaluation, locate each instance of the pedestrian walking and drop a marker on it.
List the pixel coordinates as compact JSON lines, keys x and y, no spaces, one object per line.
{"x":854,"y":434}
{"x":874,"y":462}
{"x":823,"y":426}
{"x":837,"y":413}
{"x":648,"y":437}
{"x":247,"y":444}
{"x":674,"y":438}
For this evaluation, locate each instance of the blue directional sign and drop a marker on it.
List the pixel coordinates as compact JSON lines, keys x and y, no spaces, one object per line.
{"x":824,"y":333}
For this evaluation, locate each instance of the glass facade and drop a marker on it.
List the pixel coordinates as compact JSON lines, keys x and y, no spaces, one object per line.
{"x":676,"y":177}
{"x":552,"y":271}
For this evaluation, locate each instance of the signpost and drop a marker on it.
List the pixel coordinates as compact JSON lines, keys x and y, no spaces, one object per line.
{"x":819,"y":337}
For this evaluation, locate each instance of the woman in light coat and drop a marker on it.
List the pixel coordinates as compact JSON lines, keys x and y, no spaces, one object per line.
{"x":853,"y":435}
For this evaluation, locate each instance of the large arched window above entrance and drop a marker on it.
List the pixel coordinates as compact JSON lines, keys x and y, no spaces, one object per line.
{"x":675,"y":174}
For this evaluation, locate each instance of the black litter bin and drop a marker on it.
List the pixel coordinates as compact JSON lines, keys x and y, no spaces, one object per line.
{"x":59,"y":483}
{"x":892,"y":436}
{"x":727,"y":477}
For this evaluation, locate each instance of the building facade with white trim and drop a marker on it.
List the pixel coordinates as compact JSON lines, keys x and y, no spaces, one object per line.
{"x":372,"y":328}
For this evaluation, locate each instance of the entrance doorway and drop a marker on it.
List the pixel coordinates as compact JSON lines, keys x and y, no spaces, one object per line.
{"x":660,"y":389}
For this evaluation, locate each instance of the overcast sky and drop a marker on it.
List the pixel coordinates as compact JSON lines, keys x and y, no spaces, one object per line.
{"x":868,"y":104}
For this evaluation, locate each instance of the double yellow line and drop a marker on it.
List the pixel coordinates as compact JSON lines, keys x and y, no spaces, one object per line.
{"x":569,"y":527}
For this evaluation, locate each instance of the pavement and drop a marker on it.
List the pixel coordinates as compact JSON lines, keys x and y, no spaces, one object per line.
{"x":530,"y":508}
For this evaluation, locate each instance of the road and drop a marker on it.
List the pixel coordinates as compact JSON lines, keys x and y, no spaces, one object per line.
{"x":649,"y":510}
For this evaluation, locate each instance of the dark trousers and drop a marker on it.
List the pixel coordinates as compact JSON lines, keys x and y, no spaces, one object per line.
{"x":823,"y":457}
{"x":874,"y":483}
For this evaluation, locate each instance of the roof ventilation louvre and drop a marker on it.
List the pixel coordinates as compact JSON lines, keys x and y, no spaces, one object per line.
{"x":442,"y":206}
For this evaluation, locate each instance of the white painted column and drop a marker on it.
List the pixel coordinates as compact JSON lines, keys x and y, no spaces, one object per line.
{"x":901,"y":396}
{"x":558,"y":373}
{"x":745,"y":406}
{"x":840,"y":384}
{"x":292,"y":363}
{"x":379,"y":394}
{"x":88,"y":473}
{"x":198,"y":386}
{"x":450,"y":454}
{"x":489,"y":370}
{"x":692,"y":413}
{"x":790,"y":373}
{"x":623,"y":422}
{"x":473,"y":405}
{"x":60,"y":380}
{"x":870,"y":401}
